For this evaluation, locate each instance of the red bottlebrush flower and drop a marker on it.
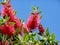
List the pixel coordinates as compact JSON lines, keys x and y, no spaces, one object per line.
{"x":25,"y":28}
{"x":11,"y":30}
{"x":6,"y":8}
{"x":17,"y":22}
{"x":0,"y":43}
{"x":33,"y":20}
{"x":3,"y":29}
{"x":41,"y":29}
{"x":7,"y":29}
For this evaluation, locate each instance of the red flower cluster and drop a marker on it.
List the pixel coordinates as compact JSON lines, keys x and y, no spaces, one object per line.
{"x":33,"y":20}
{"x":9,"y":11}
{"x":41,"y":29}
{"x":8,"y":29}
{"x":25,"y":28}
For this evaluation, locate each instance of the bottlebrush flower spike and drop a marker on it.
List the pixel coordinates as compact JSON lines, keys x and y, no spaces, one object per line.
{"x":25,"y":28}
{"x":7,"y":29}
{"x":41,"y":29}
{"x":8,"y":10}
{"x":0,"y":43}
{"x":3,"y":29}
{"x":17,"y":22}
{"x":33,"y":20}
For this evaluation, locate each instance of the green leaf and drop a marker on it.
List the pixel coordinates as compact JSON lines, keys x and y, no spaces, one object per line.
{"x":2,"y":3}
{"x":1,"y":21}
{"x":1,"y":36}
{"x":20,"y":37}
{"x":33,"y":36}
{"x":19,"y":29}
{"x":26,"y":37}
{"x":15,"y":12}
{"x":25,"y":31}
{"x":40,"y":17}
{"x":37,"y":7}
{"x":48,"y":38}
{"x":4,"y":37}
{"x":22,"y":20}
{"x":11,"y":23}
{"x":15,"y":44}
{"x":33,"y":8}
{"x":39,"y":37}
{"x":36,"y":43}
{"x":42,"y":43}
{"x":40,"y":12}
{"x":56,"y":42}
{"x":7,"y":18}
{"x":53,"y":36}
{"x":47,"y":31}
{"x":52,"y":42}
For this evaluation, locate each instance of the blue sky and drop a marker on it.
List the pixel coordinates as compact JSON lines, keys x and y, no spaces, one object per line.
{"x":50,"y":12}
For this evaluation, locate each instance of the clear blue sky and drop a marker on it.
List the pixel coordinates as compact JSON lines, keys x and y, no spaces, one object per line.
{"x":50,"y":12}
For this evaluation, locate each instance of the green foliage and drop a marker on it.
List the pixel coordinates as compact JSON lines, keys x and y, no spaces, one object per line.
{"x":15,"y":12}
{"x":7,"y":18}
{"x":33,"y":8}
{"x":1,"y":21}
{"x":47,"y":32}
{"x":30,"y":38}
{"x":40,"y":12}
{"x":12,"y":23}
{"x":0,"y":36}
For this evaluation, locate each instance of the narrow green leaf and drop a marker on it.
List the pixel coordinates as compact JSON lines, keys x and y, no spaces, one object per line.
{"x":52,"y":42}
{"x":20,"y":37}
{"x":33,"y":8}
{"x":1,"y":36}
{"x":48,"y":38}
{"x":53,"y":36}
{"x":40,"y":17}
{"x":19,"y":29}
{"x":37,"y":7}
{"x":15,"y":12}
{"x":11,"y":23}
{"x":15,"y":44}
{"x":40,"y":12}
{"x":1,"y":21}
{"x":26,"y":37}
{"x":56,"y":42}
{"x":2,"y":3}
{"x":47,"y":31}
{"x":7,"y":18}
